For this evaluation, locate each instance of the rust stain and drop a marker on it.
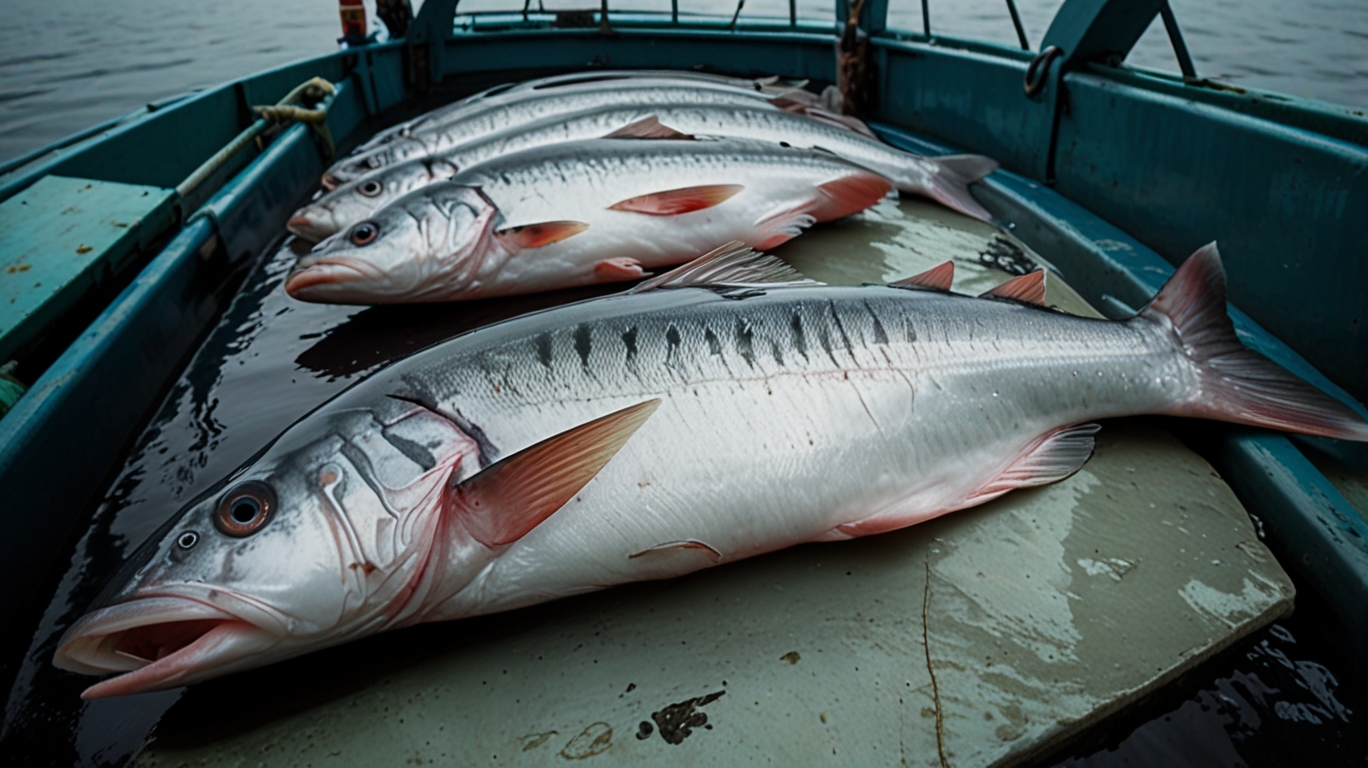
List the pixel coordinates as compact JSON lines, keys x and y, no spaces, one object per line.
{"x":595,"y":739}
{"x":791,"y":657}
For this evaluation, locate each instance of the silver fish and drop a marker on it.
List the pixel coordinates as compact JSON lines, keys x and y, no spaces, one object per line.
{"x":510,"y":110}
{"x":944,"y":179}
{"x":607,"y":78}
{"x":651,"y":434}
{"x":580,"y":213}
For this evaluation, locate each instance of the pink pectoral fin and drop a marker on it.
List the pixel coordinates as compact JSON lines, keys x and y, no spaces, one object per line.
{"x":509,"y":498}
{"x":676,"y":201}
{"x":538,"y":235}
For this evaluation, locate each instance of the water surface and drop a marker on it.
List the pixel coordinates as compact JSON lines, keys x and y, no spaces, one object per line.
{"x":65,"y":66}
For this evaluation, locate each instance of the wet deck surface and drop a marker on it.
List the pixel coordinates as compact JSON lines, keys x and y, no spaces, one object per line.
{"x":986,"y":637}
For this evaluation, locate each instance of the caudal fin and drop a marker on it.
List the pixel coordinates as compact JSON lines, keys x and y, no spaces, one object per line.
{"x":1237,"y":383}
{"x":950,"y":185}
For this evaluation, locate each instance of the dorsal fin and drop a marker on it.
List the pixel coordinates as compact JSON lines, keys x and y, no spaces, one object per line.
{"x":1028,"y":288}
{"x":733,"y":264}
{"x":648,"y":128}
{"x":937,"y":278}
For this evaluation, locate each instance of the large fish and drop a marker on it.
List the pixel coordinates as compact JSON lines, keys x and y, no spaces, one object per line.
{"x":517,"y":108}
{"x":579,"y":213}
{"x":770,"y":85}
{"x":944,"y":179}
{"x":651,"y":434}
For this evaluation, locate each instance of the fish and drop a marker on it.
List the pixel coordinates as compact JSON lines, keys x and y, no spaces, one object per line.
{"x":581,"y":213}
{"x":726,"y":410}
{"x":484,"y":117}
{"x":944,"y":179}
{"x":771,"y":85}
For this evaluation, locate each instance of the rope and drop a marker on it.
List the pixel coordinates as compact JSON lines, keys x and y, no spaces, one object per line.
{"x":284,"y":111}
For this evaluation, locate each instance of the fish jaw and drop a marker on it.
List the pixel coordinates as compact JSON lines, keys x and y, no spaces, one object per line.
{"x":161,"y":641}
{"x":328,"y":279}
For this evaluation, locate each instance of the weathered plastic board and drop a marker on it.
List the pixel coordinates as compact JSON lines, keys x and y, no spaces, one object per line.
{"x":63,"y":236}
{"x":985,"y":637}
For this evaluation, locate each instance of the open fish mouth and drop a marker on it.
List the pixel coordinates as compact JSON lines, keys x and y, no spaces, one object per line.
{"x":157,"y":642}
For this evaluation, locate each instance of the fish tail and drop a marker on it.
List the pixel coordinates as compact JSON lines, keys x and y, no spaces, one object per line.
{"x":1238,"y":384}
{"x":950,"y":184}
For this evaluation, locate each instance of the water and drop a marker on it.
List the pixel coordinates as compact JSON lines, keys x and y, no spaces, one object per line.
{"x":65,"y":66}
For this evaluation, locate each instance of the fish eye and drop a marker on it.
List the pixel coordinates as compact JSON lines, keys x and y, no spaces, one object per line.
{"x":245,"y":509}
{"x":370,"y":188}
{"x":364,"y":233}
{"x":187,"y":540}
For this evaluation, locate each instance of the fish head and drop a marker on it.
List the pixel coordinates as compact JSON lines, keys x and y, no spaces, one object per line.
{"x":334,"y":532}
{"x":352,"y":168}
{"x":355,"y":200}
{"x":425,"y":246}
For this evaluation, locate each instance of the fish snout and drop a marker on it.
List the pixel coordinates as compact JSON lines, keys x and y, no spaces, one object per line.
{"x":329,"y":182}
{"x":326,"y":279}
{"x":311,"y":224}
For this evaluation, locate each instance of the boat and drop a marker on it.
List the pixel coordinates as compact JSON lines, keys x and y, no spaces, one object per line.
{"x":1110,"y":176}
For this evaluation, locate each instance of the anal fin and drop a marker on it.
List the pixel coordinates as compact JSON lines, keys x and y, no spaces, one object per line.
{"x":507,"y":499}
{"x":1052,"y":458}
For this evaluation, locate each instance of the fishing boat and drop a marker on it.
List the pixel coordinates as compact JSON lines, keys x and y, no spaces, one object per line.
{"x":143,"y":261}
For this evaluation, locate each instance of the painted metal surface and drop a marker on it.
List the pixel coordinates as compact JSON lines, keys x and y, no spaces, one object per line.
{"x":51,"y":456}
{"x":62,"y":237}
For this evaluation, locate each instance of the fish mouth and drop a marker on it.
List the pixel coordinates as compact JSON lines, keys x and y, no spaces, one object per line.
{"x":158,"y":642}
{"x":316,"y":278}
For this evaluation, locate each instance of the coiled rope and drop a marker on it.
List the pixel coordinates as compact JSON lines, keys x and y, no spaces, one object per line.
{"x":287,"y":110}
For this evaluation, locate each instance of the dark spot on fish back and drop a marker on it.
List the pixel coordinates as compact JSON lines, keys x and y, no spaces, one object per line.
{"x":583,"y":343}
{"x":672,"y":338}
{"x":543,"y":342}
{"x":745,"y":341}
{"x":840,"y":327}
{"x":798,"y":335}
{"x":714,"y":345}
{"x":629,"y":339}
{"x":880,"y":336}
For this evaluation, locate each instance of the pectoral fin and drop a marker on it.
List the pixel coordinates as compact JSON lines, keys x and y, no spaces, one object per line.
{"x":505,"y":501}
{"x":540,"y":234}
{"x":676,"y":201}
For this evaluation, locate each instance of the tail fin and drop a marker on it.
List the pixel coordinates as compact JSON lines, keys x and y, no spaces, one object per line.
{"x":950,"y":185}
{"x":1237,"y":383}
